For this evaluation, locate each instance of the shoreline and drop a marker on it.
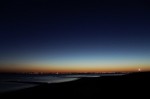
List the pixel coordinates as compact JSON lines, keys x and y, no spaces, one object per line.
{"x":125,"y":85}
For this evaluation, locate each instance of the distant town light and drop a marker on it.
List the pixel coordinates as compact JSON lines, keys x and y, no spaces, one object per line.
{"x":139,"y":69}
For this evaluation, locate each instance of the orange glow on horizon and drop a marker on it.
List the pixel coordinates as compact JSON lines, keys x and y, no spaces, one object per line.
{"x":49,"y":69}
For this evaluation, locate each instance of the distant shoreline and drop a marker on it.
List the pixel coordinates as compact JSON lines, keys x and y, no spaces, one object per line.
{"x":89,"y":87}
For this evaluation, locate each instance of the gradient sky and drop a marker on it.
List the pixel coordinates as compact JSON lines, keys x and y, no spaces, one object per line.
{"x":75,"y":36}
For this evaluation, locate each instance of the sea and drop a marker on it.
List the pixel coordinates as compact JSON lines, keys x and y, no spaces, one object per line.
{"x":13,"y":82}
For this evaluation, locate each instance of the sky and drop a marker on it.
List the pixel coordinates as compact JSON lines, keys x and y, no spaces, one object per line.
{"x":74,"y":36}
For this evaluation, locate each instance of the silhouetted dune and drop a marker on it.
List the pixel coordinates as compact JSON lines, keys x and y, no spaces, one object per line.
{"x":125,"y":86}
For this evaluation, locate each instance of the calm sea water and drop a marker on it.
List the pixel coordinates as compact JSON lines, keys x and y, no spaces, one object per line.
{"x":15,"y":82}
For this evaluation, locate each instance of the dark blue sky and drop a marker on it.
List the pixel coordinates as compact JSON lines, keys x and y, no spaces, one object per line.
{"x":75,"y":32}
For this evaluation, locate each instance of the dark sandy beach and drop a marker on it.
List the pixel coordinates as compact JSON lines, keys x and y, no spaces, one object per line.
{"x":126,"y":86}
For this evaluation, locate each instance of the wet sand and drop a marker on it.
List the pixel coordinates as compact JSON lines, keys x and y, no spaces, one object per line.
{"x":125,"y":86}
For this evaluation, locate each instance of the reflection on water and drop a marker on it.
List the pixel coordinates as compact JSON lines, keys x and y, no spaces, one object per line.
{"x":15,"y":82}
{"x":9,"y":86}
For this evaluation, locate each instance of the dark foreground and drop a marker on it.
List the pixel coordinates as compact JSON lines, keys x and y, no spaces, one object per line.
{"x":127,"y":86}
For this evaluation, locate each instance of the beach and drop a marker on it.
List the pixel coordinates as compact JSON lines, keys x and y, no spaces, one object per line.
{"x":125,"y":86}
